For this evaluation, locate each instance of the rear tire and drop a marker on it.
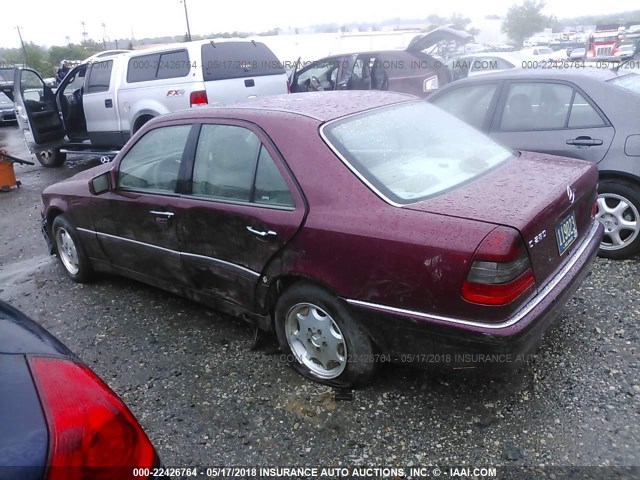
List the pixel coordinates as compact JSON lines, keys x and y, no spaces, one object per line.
{"x":619,"y":212}
{"x":70,"y":250}
{"x":320,"y":338}
{"x":51,"y":158}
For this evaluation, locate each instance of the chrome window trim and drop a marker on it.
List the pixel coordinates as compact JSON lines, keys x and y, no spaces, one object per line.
{"x":517,"y":317}
{"x":173,"y":252}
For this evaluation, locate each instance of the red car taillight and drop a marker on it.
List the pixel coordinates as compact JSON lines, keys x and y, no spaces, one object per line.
{"x":198,"y":97}
{"x":92,"y":434}
{"x":500,"y":271}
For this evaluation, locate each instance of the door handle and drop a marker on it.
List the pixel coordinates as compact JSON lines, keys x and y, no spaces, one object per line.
{"x":262,"y":234}
{"x":585,"y":142}
{"x":108,"y":103}
{"x":161,"y":214}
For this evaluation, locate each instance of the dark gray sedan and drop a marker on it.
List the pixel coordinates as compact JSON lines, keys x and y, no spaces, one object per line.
{"x":584,"y":113}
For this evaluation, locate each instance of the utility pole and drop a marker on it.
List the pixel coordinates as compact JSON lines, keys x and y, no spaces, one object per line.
{"x":104,"y":35}
{"x":24,"y":49}
{"x":186,"y":16}
{"x":84,"y":33}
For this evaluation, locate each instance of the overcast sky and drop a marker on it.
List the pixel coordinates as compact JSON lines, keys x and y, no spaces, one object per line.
{"x":49,"y":22}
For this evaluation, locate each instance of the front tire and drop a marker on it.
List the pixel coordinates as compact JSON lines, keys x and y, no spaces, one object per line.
{"x":51,"y":158}
{"x":70,"y":250}
{"x":321,"y":339}
{"x":619,"y":212}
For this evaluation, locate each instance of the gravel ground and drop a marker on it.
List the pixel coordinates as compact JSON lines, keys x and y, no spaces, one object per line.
{"x":205,"y":398}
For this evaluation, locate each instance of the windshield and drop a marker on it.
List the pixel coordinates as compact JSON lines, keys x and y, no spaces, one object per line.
{"x":4,"y":100}
{"x":630,"y":81}
{"x":412,"y":151}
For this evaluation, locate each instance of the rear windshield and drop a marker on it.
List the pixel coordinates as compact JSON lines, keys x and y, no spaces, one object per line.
{"x":630,"y":81}
{"x":412,"y":151}
{"x":238,"y":59}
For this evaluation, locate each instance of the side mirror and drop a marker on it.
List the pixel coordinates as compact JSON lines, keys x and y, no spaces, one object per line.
{"x":100,"y":184}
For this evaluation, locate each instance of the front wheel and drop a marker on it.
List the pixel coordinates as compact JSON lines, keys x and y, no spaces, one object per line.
{"x":51,"y":158}
{"x":70,"y":250}
{"x":619,"y":212}
{"x":321,"y":339}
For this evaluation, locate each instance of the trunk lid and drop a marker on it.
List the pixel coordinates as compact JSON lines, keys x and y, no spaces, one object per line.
{"x":446,"y":32}
{"x":534,"y":194}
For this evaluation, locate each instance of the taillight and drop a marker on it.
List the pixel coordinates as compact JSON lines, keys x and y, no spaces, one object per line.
{"x":92,"y":434}
{"x":198,"y":97}
{"x":500,"y":271}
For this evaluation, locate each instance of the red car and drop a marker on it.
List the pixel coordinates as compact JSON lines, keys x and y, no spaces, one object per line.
{"x":358,"y":226}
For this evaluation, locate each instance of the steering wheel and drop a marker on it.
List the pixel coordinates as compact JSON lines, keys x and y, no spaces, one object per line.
{"x":314,"y":83}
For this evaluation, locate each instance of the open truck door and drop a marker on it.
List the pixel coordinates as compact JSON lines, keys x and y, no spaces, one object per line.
{"x":38,"y":117}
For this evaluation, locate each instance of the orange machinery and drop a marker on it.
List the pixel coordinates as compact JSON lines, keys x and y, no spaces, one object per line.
{"x":7,"y":175}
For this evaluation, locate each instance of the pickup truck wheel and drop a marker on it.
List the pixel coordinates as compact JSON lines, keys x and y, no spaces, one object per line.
{"x":320,"y":339}
{"x":51,"y":158}
{"x":70,"y":250}
{"x":619,"y":212}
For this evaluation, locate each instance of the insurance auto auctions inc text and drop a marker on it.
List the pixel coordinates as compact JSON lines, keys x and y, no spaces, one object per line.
{"x":361,"y":472}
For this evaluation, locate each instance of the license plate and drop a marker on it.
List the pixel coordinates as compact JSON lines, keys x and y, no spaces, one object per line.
{"x":566,"y":233}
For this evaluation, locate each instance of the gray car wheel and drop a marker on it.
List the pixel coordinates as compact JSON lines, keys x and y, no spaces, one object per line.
{"x":70,"y":250}
{"x":320,"y":338}
{"x":619,"y":212}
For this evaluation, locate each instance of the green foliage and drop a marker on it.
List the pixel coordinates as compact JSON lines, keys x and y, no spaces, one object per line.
{"x":524,"y":20}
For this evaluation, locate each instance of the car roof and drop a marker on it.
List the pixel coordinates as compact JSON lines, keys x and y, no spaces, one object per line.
{"x":577,"y":74}
{"x":321,"y":106}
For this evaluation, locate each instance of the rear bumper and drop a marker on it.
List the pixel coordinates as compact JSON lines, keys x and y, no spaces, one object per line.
{"x":432,"y":340}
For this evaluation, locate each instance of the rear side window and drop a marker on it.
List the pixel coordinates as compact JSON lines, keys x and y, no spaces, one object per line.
{"x":237,"y":60}
{"x":232,"y":164}
{"x":583,"y":114}
{"x":99,"y":77}
{"x":536,"y":106}
{"x":157,"y":66}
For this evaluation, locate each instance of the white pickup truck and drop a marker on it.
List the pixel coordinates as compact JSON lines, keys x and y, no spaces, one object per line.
{"x":101,"y":103}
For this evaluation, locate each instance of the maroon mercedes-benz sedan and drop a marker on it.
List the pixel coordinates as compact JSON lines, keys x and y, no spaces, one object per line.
{"x":357,"y":226}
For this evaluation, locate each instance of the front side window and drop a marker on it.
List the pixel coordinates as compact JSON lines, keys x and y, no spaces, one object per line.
{"x":232,"y":164}
{"x":154,"y":161}
{"x":31,"y":86}
{"x":411,"y":151}
{"x":99,"y":77}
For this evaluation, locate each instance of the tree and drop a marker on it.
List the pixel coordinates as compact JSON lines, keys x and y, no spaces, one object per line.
{"x":524,"y":20}
{"x":461,"y":22}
